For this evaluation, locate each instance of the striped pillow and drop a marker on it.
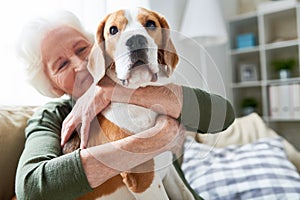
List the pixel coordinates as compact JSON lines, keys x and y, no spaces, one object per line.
{"x":259,"y":170}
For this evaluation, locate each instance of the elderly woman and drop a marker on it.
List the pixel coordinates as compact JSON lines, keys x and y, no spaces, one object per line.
{"x":55,"y":51}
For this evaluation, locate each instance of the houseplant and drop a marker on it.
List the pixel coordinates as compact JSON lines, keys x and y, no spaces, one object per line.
{"x":249,"y":105}
{"x":284,"y":67}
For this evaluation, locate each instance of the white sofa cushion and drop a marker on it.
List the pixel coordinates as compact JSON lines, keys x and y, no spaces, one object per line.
{"x":245,"y":130}
{"x":259,"y":170}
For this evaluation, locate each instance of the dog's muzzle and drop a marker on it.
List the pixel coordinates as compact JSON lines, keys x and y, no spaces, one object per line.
{"x":138,"y":48}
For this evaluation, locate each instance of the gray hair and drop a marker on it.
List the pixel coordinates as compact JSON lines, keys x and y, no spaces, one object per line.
{"x":29,"y":47}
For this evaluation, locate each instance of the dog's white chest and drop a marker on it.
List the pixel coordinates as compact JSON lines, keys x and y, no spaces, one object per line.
{"x":130,"y":117}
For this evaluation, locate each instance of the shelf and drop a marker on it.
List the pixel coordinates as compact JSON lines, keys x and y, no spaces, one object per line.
{"x":283,"y":81}
{"x":277,"y":37}
{"x":277,"y":54}
{"x":271,"y":119}
{"x":242,"y":17}
{"x":243,"y":24}
{"x":281,"y":44}
{"x":244,"y":50}
{"x":247,"y":84}
{"x":280,"y":25}
{"x":281,"y":7}
{"x":265,"y":83}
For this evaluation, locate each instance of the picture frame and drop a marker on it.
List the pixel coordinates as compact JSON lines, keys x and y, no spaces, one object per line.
{"x":248,"y":72}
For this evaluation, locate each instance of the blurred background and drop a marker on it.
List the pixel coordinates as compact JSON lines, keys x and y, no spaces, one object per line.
{"x":246,"y":51}
{"x":15,"y":13}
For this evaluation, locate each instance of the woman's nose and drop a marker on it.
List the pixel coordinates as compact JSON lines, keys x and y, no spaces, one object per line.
{"x":79,"y":63}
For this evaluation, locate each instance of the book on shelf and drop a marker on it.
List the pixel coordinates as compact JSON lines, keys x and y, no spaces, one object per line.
{"x":284,"y":101}
{"x":285,"y":107}
{"x":295,"y":90}
{"x":274,"y":101}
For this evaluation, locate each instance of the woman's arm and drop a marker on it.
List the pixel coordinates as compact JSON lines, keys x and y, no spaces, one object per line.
{"x":43,"y":173}
{"x":198,"y":110}
{"x":165,"y":100}
{"x":122,"y":155}
{"x":205,"y":112}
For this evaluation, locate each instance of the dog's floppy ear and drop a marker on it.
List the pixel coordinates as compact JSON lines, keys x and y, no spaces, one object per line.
{"x":167,"y":52}
{"x":100,"y":40}
{"x":100,"y":33}
{"x":96,"y":64}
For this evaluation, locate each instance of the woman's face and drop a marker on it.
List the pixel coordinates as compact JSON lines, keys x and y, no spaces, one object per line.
{"x":65,"y":54}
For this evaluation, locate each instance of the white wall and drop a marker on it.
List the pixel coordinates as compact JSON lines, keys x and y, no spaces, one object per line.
{"x":173,"y":10}
{"x":218,"y":76}
{"x":229,"y":7}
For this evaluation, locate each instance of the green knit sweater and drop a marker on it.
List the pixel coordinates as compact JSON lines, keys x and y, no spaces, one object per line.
{"x":44,"y":173}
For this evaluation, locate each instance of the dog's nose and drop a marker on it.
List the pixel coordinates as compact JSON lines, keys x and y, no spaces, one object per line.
{"x":136,"y":42}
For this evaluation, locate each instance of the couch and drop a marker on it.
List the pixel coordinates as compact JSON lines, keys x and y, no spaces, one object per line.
{"x":13,"y":120}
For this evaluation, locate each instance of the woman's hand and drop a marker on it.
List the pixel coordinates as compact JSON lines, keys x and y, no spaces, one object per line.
{"x":123,"y":155}
{"x":92,"y":102}
{"x":167,"y":133}
{"x":166,"y":100}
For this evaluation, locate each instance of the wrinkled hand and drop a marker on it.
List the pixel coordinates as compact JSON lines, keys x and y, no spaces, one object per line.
{"x":92,"y":102}
{"x":82,"y":114}
{"x":173,"y":131}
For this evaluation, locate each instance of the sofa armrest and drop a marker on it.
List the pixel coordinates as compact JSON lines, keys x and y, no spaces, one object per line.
{"x":13,"y":121}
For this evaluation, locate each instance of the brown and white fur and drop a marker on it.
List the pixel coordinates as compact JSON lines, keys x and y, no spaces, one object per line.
{"x":138,"y":52}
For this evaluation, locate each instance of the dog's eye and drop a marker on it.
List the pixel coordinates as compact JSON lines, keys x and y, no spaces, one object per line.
{"x":113,"y":30}
{"x":150,"y":25}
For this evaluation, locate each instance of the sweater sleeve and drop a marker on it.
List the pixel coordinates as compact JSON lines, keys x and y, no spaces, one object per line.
{"x":203,"y":112}
{"x":43,"y":173}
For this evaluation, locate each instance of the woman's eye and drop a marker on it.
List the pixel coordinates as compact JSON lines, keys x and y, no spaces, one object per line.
{"x":113,"y":30}
{"x":150,"y":25}
{"x":63,"y":64}
{"x":80,"y":50}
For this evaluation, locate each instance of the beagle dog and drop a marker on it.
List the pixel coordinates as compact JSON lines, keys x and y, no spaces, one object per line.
{"x":137,"y":51}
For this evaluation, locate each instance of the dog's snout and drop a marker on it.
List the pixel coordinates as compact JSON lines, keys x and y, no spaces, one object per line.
{"x":136,"y":42}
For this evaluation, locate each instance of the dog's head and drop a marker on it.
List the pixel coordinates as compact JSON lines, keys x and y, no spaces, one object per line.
{"x":137,"y":46}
